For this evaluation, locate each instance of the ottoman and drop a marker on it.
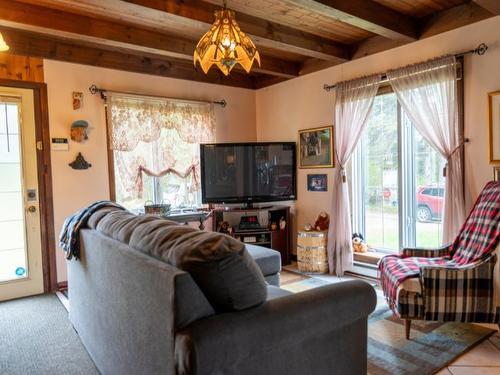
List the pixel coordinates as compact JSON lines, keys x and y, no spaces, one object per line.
{"x":269,"y":262}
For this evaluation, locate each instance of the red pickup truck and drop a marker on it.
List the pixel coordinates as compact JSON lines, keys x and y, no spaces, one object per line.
{"x":429,"y":203}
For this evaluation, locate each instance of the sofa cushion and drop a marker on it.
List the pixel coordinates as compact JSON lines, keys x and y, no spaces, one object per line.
{"x":190,"y":302}
{"x":268,"y":260}
{"x":219,"y":264}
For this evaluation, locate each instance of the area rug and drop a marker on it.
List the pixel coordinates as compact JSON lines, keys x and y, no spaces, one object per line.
{"x":36,"y":337}
{"x":432,"y":345}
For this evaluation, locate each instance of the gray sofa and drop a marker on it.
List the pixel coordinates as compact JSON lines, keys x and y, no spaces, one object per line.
{"x":136,"y":314}
{"x":269,"y":262}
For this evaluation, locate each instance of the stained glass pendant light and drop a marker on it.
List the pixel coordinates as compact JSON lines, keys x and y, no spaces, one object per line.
{"x":225,"y":45}
{"x":3,"y":46}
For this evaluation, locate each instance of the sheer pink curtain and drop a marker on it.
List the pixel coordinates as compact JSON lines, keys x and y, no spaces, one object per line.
{"x":428,"y":94}
{"x":353,"y":104}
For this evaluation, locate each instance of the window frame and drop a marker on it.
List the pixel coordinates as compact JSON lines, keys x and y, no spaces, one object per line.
{"x":406,"y":173}
{"x":155,"y":181}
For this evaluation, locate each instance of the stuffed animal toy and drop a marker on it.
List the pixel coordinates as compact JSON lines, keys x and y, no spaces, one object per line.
{"x":322,"y":222}
{"x":224,"y":228}
{"x":358,"y":243}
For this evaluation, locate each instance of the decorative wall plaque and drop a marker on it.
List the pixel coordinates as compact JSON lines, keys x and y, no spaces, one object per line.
{"x":80,"y":162}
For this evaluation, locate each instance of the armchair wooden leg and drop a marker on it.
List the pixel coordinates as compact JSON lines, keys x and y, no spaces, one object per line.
{"x":407,"y":328}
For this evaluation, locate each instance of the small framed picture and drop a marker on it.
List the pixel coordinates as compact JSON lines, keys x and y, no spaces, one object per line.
{"x":316,"y":148}
{"x":494,"y":119}
{"x":496,"y":173}
{"x":317,"y":182}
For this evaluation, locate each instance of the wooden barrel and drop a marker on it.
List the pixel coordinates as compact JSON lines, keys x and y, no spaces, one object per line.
{"x":311,"y":252}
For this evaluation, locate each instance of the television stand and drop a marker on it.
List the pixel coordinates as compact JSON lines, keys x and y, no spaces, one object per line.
{"x":267,"y":235}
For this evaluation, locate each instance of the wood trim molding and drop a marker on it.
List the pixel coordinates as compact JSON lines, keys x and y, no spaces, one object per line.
{"x":21,"y":68}
{"x":44,"y":179}
{"x":111,"y":160}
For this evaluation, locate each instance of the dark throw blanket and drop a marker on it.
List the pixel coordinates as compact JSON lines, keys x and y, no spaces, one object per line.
{"x":69,"y":239}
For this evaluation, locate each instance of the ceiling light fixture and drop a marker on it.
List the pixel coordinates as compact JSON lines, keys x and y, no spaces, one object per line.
{"x":3,"y":46}
{"x":225,"y":45}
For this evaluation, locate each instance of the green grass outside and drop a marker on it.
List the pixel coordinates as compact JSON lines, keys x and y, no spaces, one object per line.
{"x":383,"y":231}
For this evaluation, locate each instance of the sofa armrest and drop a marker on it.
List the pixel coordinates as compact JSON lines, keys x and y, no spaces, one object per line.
{"x":425,"y":252}
{"x":279,"y":323}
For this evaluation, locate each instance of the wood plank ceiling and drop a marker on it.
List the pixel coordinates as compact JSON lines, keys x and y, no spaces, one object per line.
{"x":294,"y":37}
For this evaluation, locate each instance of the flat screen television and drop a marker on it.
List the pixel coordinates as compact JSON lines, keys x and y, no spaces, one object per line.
{"x":248,"y":172}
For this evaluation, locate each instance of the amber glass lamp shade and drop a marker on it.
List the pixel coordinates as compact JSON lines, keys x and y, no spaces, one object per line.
{"x":3,"y":46}
{"x":225,"y":45}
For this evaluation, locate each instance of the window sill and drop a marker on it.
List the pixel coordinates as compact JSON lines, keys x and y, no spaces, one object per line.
{"x":369,"y":257}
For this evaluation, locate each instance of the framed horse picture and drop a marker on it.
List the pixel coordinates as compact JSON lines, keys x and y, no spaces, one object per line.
{"x":316,"y":148}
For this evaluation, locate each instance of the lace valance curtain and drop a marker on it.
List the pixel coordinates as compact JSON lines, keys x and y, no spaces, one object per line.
{"x":139,"y":118}
{"x":156,"y":137}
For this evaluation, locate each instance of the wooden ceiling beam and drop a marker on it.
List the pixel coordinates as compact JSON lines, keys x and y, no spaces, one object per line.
{"x":263,"y":32}
{"x":77,"y":28}
{"x":492,"y":6}
{"x":436,"y":23}
{"x":30,"y":44}
{"x":453,"y":18}
{"x":197,"y":16}
{"x":365,"y":14}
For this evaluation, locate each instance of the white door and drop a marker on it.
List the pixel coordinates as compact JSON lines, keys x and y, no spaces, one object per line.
{"x":21,"y":271}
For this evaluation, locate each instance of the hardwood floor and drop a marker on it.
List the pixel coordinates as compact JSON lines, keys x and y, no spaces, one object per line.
{"x":484,"y":359}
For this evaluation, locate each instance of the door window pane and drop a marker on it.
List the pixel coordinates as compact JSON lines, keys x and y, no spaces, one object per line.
{"x":380,"y":174}
{"x":429,"y":193}
{"x":379,"y":152}
{"x":13,"y":262}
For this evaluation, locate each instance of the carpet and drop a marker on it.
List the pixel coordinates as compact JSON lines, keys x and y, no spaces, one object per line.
{"x":36,"y":337}
{"x":432,"y":345}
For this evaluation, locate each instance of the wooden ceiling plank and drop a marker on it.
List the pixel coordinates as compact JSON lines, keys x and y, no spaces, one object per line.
{"x":492,"y":6}
{"x":365,"y":14}
{"x":29,"y":44}
{"x":198,"y":16}
{"x":79,"y":27}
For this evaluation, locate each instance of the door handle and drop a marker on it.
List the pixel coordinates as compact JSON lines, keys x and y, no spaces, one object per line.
{"x":32,"y":209}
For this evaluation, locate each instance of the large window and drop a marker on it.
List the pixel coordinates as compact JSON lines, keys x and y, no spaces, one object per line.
{"x":168,"y":151}
{"x":155,"y":144}
{"x":397,"y":182}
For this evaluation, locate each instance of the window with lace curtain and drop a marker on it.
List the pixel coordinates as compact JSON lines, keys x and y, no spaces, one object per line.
{"x":155,"y":145}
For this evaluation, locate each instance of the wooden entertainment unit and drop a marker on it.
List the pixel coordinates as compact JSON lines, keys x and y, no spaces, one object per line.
{"x":277,"y":239}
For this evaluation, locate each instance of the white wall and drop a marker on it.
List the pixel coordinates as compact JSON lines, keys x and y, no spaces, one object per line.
{"x":75,"y":189}
{"x":302,"y":103}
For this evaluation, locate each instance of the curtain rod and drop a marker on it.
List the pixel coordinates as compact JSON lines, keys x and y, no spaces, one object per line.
{"x":480,"y":50}
{"x":96,"y":90}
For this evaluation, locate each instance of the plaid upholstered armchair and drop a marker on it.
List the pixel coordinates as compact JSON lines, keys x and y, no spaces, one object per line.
{"x":458,"y":282}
